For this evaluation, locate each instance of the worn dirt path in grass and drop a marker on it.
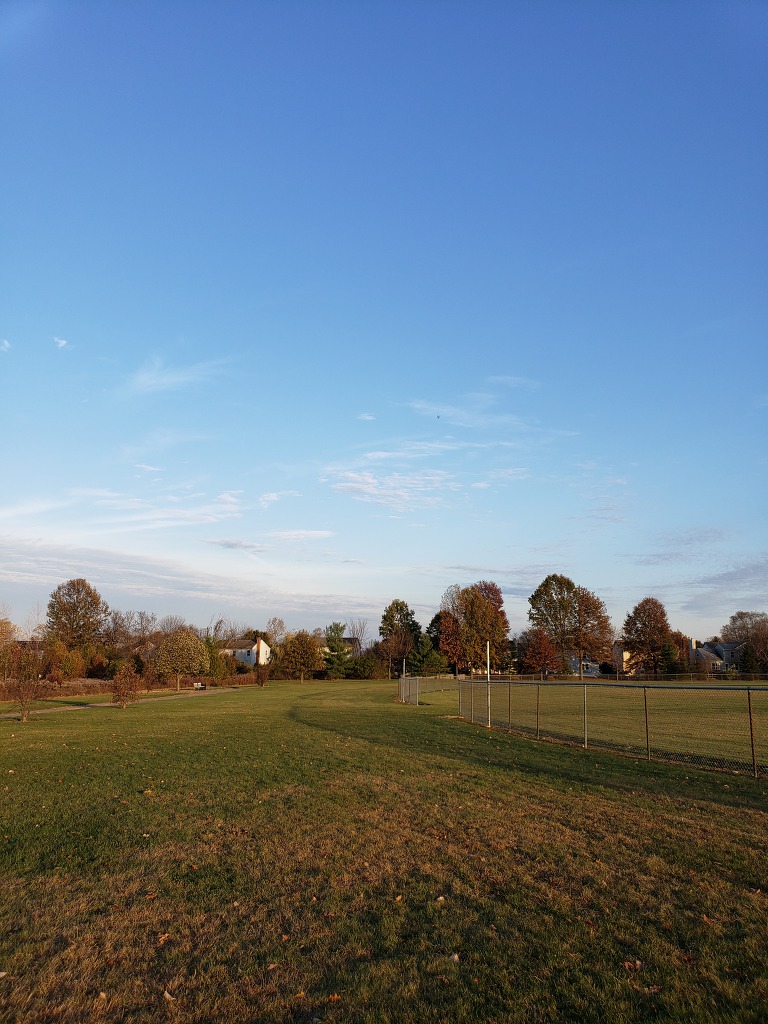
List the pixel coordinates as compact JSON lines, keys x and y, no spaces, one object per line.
{"x":109,"y":704}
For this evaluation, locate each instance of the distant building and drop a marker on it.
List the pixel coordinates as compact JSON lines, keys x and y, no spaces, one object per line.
{"x":714,"y":657}
{"x":257,"y":653}
{"x":590,"y":667}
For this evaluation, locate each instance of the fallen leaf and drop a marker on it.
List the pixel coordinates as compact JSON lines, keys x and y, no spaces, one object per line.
{"x":162,"y":939}
{"x":454,"y":958}
{"x":398,"y":898}
{"x":286,"y":937}
{"x":102,"y":995}
{"x":335,"y":998}
{"x":654,"y":989}
{"x":272,"y":967}
{"x":167,"y":995}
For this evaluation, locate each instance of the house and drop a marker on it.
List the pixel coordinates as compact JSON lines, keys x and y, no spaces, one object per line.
{"x":589,"y":666}
{"x":621,"y":659}
{"x":714,"y":656}
{"x":257,"y":653}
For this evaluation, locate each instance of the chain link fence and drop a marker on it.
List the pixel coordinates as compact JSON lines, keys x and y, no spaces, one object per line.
{"x":721,"y":727}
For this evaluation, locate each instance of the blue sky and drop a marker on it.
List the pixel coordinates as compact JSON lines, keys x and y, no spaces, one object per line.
{"x":308,"y":306}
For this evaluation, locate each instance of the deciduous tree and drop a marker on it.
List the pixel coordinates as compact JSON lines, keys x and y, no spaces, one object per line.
{"x":76,"y":614}
{"x":751,"y":629}
{"x":300,"y":654}
{"x":537,"y":652}
{"x":592,"y":629}
{"x":181,"y":653}
{"x":399,"y":631}
{"x":553,"y":609}
{"x":275,"y":632}
{"x":449,"y":627}
{"x":646,"y":633}
{"x":25,"y":683}
{"x":126,"y":685}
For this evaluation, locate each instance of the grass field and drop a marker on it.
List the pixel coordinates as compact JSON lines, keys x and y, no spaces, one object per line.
{"x":320,"y":852}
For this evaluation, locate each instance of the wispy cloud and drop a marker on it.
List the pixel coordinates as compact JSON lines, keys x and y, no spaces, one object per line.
{"x":270,"y":497}
{"x":743,"y":586}
{"x":476,"y":413}
{"x":147,"y":469}
{"x":511,"y":473}
{"x":300,"y":535}
{"x":5,"y":345}
{"x":399,"y":491}
{"x":239,"y":545}
{"x":156,"y":376}
{"x":683,"y":545}
{"x":159,"y":441}
{"x":605,"y":512}
{"x":60,"y":343}
{"x":366,"y":416}
{"x":516,"y":382}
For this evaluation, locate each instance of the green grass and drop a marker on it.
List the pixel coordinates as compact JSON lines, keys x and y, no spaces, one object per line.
{"x":320,"y":852}
{"x":703,"y":726}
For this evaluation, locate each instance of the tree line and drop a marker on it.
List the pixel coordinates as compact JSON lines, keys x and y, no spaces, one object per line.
{"x":568,"y":624}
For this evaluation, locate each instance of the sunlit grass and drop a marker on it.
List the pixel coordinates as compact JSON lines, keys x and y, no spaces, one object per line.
{"x":319,"y":851}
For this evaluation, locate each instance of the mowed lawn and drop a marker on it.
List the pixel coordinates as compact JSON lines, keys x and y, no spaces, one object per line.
{"x":320,"y":852}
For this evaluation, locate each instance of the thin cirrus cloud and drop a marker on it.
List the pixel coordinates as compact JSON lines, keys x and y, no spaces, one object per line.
{"x":60,"y":342}
{"x":525,"y":383}
{"x":293,"y":536}
{"x":399,"y":491}
{"x":475,"y":414}
{"x":156,"y":376}
{"x":239,"y":545}
{"x":270,"y":497}
{"x":5,"y":345}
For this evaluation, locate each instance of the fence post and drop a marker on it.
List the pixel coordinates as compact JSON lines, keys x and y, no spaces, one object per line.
{"x":752,"y":731}
{"x":417,"y":691}
{"x":647,"y":733}
{"x":471,"y":701}
{"x":538,"y":688}
{"x":585,"y":716}
{"x":509,"y":706}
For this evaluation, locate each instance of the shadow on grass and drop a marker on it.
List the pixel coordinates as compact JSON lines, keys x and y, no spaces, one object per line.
{"x":563,"y":765}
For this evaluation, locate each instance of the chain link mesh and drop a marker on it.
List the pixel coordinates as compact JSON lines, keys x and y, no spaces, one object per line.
{"x":709,"y":726}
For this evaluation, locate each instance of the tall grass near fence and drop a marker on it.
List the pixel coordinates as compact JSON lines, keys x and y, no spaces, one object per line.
{"x":714,"y":726}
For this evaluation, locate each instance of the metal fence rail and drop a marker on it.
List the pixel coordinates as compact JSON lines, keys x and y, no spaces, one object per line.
{"x":411,"y":687}
{"x":722,"y":727}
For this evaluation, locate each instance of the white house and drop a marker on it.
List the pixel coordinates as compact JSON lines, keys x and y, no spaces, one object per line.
{"x":257,"y":654}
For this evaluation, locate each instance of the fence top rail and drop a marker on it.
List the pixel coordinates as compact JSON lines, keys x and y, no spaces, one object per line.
{"x":620,"y":686}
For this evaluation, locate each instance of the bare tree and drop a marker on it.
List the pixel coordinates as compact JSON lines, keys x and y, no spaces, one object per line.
{"x":357,"y":630}
{"x":171,"y":624}
{"x":275,"y":631}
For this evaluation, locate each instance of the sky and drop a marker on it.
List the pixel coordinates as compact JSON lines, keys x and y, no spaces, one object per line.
{"x":309,"y":306}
